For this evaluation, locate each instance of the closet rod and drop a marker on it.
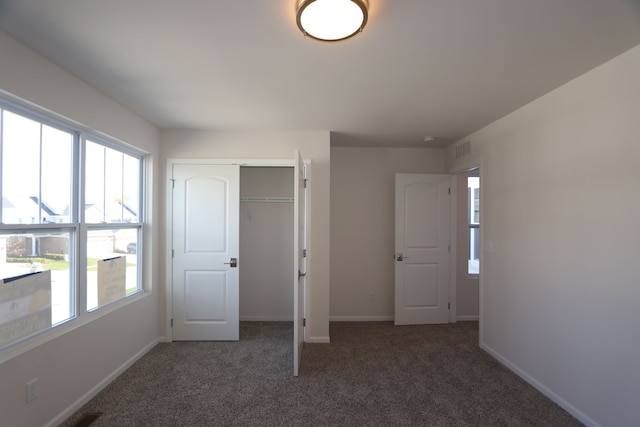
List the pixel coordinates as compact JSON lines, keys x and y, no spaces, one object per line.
{"x":267,"y":199}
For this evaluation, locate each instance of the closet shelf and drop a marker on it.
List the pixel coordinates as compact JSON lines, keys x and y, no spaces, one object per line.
{"x":267,"y":199}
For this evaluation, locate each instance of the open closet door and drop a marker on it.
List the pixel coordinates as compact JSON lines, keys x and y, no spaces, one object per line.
{"x":299,"y":255}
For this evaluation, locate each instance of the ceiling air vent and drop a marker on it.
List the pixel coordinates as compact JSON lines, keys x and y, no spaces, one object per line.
{"x":463,"y":149}
{"x":466,"y":148}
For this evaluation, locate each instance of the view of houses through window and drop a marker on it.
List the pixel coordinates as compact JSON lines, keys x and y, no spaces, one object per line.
{"x":71,"y":209}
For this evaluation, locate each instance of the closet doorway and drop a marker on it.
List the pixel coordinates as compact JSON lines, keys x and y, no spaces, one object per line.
{"x":266,"y":243}
{"x":205,"y":256}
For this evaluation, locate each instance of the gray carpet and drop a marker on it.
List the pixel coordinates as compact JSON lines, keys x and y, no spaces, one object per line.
{"x":372,"y":374}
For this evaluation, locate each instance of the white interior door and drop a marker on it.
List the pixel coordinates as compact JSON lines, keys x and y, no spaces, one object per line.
{"x":205,"y":243}
{"x":422,"y":274}
{"x":299,"y":264}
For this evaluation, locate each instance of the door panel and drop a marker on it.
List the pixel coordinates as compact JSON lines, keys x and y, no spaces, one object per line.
{"x":421,"y":201}
{"x":205,"y":237}
{"x":421,"y":281}
{"x":422,"y":249}
{"x":205,"y":295}
{"x":205,"y":222}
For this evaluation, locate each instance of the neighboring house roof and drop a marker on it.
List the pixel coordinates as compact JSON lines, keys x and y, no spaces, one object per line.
{"x":22,"y":209}
{"x":6,"y":203}
{"x":25,"y":208}
{"x":129,"y":208}
{"x":45,"y":207}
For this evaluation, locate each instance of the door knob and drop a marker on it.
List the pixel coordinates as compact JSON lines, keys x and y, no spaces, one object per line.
{"x":401,"y":257}
{"x":233,"y":262}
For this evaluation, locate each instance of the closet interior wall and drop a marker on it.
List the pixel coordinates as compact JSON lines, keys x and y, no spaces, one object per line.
{"x":266,"y":244}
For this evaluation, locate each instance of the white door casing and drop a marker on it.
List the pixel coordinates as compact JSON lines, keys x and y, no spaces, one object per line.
{"x":299,"y":254}
{"x":422,"y":266}
{"x":205,"y":239}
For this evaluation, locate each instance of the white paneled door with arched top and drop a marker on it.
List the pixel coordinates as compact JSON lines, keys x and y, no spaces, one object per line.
{"x":205,"y":243}
{"x":422,"y":258}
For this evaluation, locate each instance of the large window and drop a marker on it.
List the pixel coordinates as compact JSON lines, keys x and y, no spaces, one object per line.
{"x":112,"y":212}
{"x":70,"y":222}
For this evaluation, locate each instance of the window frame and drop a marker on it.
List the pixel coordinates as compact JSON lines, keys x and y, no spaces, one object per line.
{"x":86,"y":227}
{"x":77,"y":227}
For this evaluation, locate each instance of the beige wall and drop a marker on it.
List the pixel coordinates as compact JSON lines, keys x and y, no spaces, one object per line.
{"x":266,"y":244}
{"x":70,"y":366}
{"x":362,"y":226}
{"x":559,"y":278}
{"x":314,"y":145}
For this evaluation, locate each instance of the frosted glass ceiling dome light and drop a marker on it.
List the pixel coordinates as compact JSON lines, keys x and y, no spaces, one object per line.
{"x":331,"y":20}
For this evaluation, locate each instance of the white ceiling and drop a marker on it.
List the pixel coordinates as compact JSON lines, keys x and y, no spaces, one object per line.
{"x":421,"y":67}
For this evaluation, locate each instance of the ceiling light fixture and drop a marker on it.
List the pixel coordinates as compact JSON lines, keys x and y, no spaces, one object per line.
{"x":331,"y":20}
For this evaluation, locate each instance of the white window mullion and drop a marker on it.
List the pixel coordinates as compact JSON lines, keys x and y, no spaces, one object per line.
{"x":40,"y":179}
{"x":141,"y":220}
{"x":122,"y":187}
{"x":104,"y":184}
{"x":79,"y":182}
{"x":77,"y":214}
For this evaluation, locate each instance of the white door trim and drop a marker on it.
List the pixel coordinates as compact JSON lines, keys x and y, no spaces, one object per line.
{"x":453,"y":285}
{"x":475,"y":164}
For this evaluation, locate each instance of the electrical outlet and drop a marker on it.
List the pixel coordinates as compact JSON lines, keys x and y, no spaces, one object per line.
{"x":32,"y":390}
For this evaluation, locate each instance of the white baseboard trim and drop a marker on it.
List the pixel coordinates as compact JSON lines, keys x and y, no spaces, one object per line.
{"x":318,"y":340}
{"x":467,"y":318}
{"x":581,"y":416}
{"x":61,"y":417}
{"x":361,"y":319}
{"x":266,"y":318}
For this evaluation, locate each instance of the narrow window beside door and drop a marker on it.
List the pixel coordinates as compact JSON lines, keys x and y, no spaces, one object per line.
{"x":473,"y":220}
